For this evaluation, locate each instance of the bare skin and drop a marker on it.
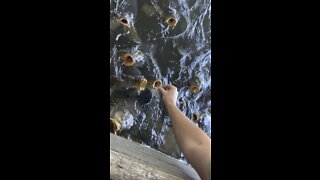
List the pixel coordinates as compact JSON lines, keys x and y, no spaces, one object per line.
{"x":194,"y":143}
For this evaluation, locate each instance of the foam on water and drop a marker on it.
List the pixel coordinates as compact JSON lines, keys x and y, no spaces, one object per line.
{"x":178,"y":55}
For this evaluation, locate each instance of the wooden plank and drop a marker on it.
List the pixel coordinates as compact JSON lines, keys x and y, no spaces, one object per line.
{"x":130,"y":160}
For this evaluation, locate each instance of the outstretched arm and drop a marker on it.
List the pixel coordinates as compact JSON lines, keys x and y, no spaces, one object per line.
{"x":194,"y":143}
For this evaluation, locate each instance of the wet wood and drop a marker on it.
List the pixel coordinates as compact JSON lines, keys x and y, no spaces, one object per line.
{"x":130,"y":160}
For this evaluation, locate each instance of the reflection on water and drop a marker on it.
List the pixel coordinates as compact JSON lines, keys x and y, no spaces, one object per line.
{"x":174,"y":39}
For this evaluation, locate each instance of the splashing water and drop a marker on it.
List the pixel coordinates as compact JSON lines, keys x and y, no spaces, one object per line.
{"x":180,"y":54}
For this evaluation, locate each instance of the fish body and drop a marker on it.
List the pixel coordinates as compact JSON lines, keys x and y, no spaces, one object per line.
{"x":121,"y":120}
{"x":124,"y":14}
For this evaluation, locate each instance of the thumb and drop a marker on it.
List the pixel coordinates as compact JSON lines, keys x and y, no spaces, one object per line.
{"x":161,"y":90}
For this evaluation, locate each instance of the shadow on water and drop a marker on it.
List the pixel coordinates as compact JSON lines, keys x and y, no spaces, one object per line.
{"x":179,"y":53}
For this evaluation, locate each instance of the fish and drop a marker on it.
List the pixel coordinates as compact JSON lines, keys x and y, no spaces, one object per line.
{"x":120,"y":120}
{"x":137,"y":84}
{"x":115,"y":126}
{"x":151,"y":92}
{"x":145,"y":97}
{"x":157,"y":83}
{"x":195,"y":85}
{"x":148,"y":9}
{"x":153,"y":85}
{"x":123,"y":15}
{"x":131,"y":77}
{"x":171,"y":21}
{"x":114,"y":24}
{"x":168,"y":11}
{"x":121,"y":94}
{"x":195,"y":117}
{"x":133,"y":58}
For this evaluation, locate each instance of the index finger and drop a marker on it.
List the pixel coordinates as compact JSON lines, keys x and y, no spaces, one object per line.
{"x":167,"y":86}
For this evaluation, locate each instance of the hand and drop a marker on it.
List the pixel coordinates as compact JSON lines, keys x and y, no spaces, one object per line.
{"x":169,"y":94}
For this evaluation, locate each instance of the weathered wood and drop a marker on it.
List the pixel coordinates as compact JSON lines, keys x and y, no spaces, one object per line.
{"x":130,"y":160}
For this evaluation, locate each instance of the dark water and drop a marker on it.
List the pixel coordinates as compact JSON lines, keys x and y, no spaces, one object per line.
{"x":180,"y":55}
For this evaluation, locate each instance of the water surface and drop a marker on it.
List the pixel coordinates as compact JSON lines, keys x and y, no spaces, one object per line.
{"x":179,"y":55}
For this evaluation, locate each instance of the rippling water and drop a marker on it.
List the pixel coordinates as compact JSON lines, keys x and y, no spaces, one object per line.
{"x":180,"y":55}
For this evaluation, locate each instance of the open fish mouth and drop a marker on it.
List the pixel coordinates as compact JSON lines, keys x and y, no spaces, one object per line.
{"x":141,"y":84}
{"x":134,"y":58}
{"x":154,"y":43}
{"x":171,"y":21}
{"x":124,"y":21}
{"x":157,"y":84}
{"x":128,"y":60}
{"x":195,"y":117}
{"x":195,"y":89}
{"x":115,"y":126}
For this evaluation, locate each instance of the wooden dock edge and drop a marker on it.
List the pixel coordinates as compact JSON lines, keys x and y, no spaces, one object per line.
{"x":130,"y":160}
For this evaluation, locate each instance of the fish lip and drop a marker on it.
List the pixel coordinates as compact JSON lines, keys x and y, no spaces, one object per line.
{"x":171,"y":21}
{"x":132,"y":58}
{"x":116,"y":125}
{"x":157,"y":84}
{"x":195,"y":89}
{"x":181,"y":101}
{"x":124,"y":22}
{"x":195,"y":117}
{"x":142,"y":84}
{"x":128,"y":60}
{"x":119,"y":18}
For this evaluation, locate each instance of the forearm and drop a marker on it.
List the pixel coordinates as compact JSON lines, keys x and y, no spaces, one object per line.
{"x":194,"y":143}
{"x":186,"y":132}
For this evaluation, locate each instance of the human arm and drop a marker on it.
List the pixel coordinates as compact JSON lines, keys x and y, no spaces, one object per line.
{"x":194,"y":143}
